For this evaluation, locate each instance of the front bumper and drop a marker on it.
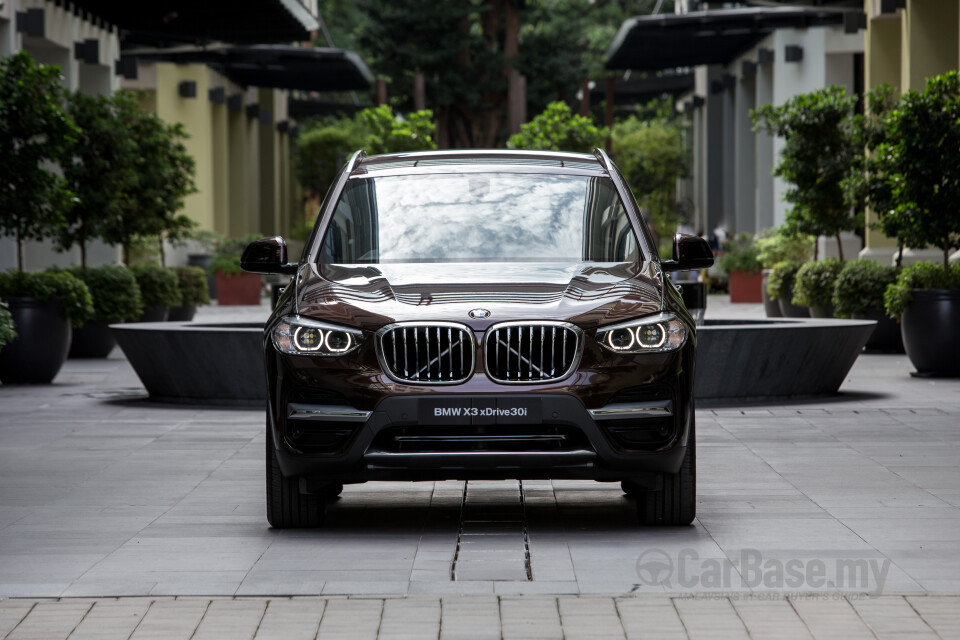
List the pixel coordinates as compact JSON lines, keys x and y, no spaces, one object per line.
{"x":404,"y":439}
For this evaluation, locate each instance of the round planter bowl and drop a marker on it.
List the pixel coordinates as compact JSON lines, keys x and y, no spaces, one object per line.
{"x":92,"y":340}
{"x":42,"y":343}
{"x":821,"y":312}
{"x":930,"y":331}
{"x":154,"y":314}
{"x":746,"y":286}
{"x":790,"y":310}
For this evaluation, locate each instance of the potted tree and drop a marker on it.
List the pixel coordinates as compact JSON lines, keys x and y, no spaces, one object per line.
{"x":814,"y":286}
{"x":159,"y":289}
{"x":816,"y":159}
{"x":116,"y":298}
{"x":858,"y":294}
{"x":7,"y":331}
{"x":741,"y":262}
{"x":43,"y":306}
{"x":921,"y":152}
{"x":234,"y":285}
{"x":193,"y":292}
{"x":780,"y":288}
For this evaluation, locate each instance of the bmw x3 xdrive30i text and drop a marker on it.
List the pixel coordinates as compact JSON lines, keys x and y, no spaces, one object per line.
{"x":479,"y":314}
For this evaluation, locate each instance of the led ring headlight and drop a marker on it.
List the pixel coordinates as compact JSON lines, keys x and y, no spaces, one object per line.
{"x":299,"y":336}
{"x":653,"y":334}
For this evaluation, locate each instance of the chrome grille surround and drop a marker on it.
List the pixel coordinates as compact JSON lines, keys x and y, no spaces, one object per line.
{"x":531,"y":352}
{"x":427,"y":352}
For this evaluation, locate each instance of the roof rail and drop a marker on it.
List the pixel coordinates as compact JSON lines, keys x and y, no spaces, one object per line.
{"x":603,"y":158}
{"x":355,"y":160}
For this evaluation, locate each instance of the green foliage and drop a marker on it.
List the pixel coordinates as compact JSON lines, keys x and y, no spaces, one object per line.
{"x":920,"y":159}
{"x":650,"y":151}
{"x":193,"y":285}
{"x":814,"y":283}
{"x":164,"y":177}
{"x":780,"y":281}
{"x":779,"y":244}
{"x":99,"y":169}
{"x":34,"y":131}
{"x":7,"y":332}
{"x":322,"y":149}
{"x":116,"y":295}
{"x":860,"y":287}
{"x":920,"y":275}
{"x":741,"y":255}
{"x":226,"y":258}
{"x":559,"y":129}
{"x":159,"y":286}
{"x":818,"y":152}
{"x":53,"y":284}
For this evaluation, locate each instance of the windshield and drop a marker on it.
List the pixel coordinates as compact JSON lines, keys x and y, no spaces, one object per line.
{"x":479,"y":217}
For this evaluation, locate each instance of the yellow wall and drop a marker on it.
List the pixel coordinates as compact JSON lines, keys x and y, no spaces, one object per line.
{"x":930,"y":39}
{"x":244,"y":177}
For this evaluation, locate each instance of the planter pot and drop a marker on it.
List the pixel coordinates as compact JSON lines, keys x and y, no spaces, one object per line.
{"x":790,"y":310}
{"x":42,"y":343}
{"x":92,"y":340}
{"x":154,"y":314}
{"x":238,"y":289}
{"x":770,"y":307}
{"x":746,"y":286}
{"x":821,"y":312}
{"x":203,"y":261}
{"x":886,"y":336}
{"x":929,"y":327}
{"x":183,"y":313}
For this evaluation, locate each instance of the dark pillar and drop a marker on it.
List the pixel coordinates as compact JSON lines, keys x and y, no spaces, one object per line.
{"x":419,"y":92}
{"x":381,"y":91}
{"x":585,"y":99}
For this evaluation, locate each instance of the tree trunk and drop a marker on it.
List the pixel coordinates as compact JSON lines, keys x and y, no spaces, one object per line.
{"x":19,"y":250}
{"x":839,"y":246}
{"x":163,"y":258}
{"x":83,"y":254}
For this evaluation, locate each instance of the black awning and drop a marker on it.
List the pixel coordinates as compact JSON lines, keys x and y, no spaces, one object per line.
{"x":179,"y":21}
{"x":668,"y":41}
{"x":638,"y":90}
{"x":276,"y":66}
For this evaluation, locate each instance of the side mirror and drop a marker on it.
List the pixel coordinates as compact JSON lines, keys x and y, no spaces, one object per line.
{"x":689,"y":253}
{"x":267,"y":255}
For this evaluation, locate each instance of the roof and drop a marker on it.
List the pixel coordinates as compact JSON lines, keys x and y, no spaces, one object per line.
{"x":669,"y":41}
{"x":235,"y":21}
{"x":499,"y":157}
{"x":277,"y":66}
{"x":637,"y":90}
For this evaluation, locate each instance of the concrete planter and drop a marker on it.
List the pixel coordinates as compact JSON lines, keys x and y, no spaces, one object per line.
{"x":746,"y":286}
{"x":42,"y":342}
{"x":239,"y":289}
{"x":770,"y":307}
{"x":930,"y":331}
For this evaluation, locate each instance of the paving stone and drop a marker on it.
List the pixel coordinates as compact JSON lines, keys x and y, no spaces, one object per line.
{"x":170,"y":620}
{"x":48,"y":620}
{"x":111,"y":619}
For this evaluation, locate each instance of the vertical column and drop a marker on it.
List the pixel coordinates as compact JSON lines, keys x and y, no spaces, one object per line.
{"x":585,"y":96}
{"x":730,"y":170}
{"x":930,"y":41}
{"x":744,"y":155}
{"x":714,"y":141}
{"x":763,"y":153}
{"x":419,"y":92}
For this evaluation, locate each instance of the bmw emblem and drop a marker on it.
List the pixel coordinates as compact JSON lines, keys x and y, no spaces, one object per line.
{"x":479,"y":314}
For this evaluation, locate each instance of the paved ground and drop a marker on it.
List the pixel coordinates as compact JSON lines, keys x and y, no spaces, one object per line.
{"x":105,"y":494}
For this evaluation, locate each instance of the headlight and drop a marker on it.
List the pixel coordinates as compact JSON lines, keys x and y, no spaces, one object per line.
{"x":298,"y":336}
{"x":654,"y":334}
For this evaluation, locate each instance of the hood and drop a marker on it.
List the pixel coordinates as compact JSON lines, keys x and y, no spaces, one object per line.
{"x":370,"y":296}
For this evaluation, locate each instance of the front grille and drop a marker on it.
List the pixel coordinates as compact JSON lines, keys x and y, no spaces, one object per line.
{"x":520,"y":352}
{"x":427,"y":353}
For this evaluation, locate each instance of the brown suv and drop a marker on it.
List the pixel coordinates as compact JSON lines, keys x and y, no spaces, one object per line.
{"x":479,"y":314}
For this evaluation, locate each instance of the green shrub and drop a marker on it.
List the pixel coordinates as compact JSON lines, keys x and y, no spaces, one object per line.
{"x":116,"y":295}
{"x":921,"y":275}
{"x":815,"y":281}
{"x":778,"y":244}
{"x":559,"y":129}
{"x":49,"y":285}
{"x":7,"y":333}
{"x":860,"y":286}
{"x":780,"y":282}
{"x":741,"y":255}
{"x":158,"y":286}
{"x":193,"y":286}
{"x":226,"y":257}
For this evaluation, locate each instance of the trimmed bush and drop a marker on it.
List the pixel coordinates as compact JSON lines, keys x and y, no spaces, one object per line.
{"x":814,"y":283}
{"x":921,"y":275}
{"x":116,"y":295}
{"x":49,"y":285}
{"x":741,"y":255}
{"x":859,"y":287}
{"x":193,"y":285}
{"x":158,"y":286}
{"x":780,"y":282}
{"x":7,"y":333}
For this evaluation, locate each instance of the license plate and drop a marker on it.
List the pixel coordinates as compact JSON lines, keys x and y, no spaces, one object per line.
{"x":479,"y":411}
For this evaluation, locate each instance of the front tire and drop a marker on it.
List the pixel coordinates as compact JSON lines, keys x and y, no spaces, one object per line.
{"x":676,"y":504}
{"x":287,"y":508}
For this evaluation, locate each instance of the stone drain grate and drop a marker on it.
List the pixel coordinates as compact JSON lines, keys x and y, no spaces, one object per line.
{"x":492,"y":538}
